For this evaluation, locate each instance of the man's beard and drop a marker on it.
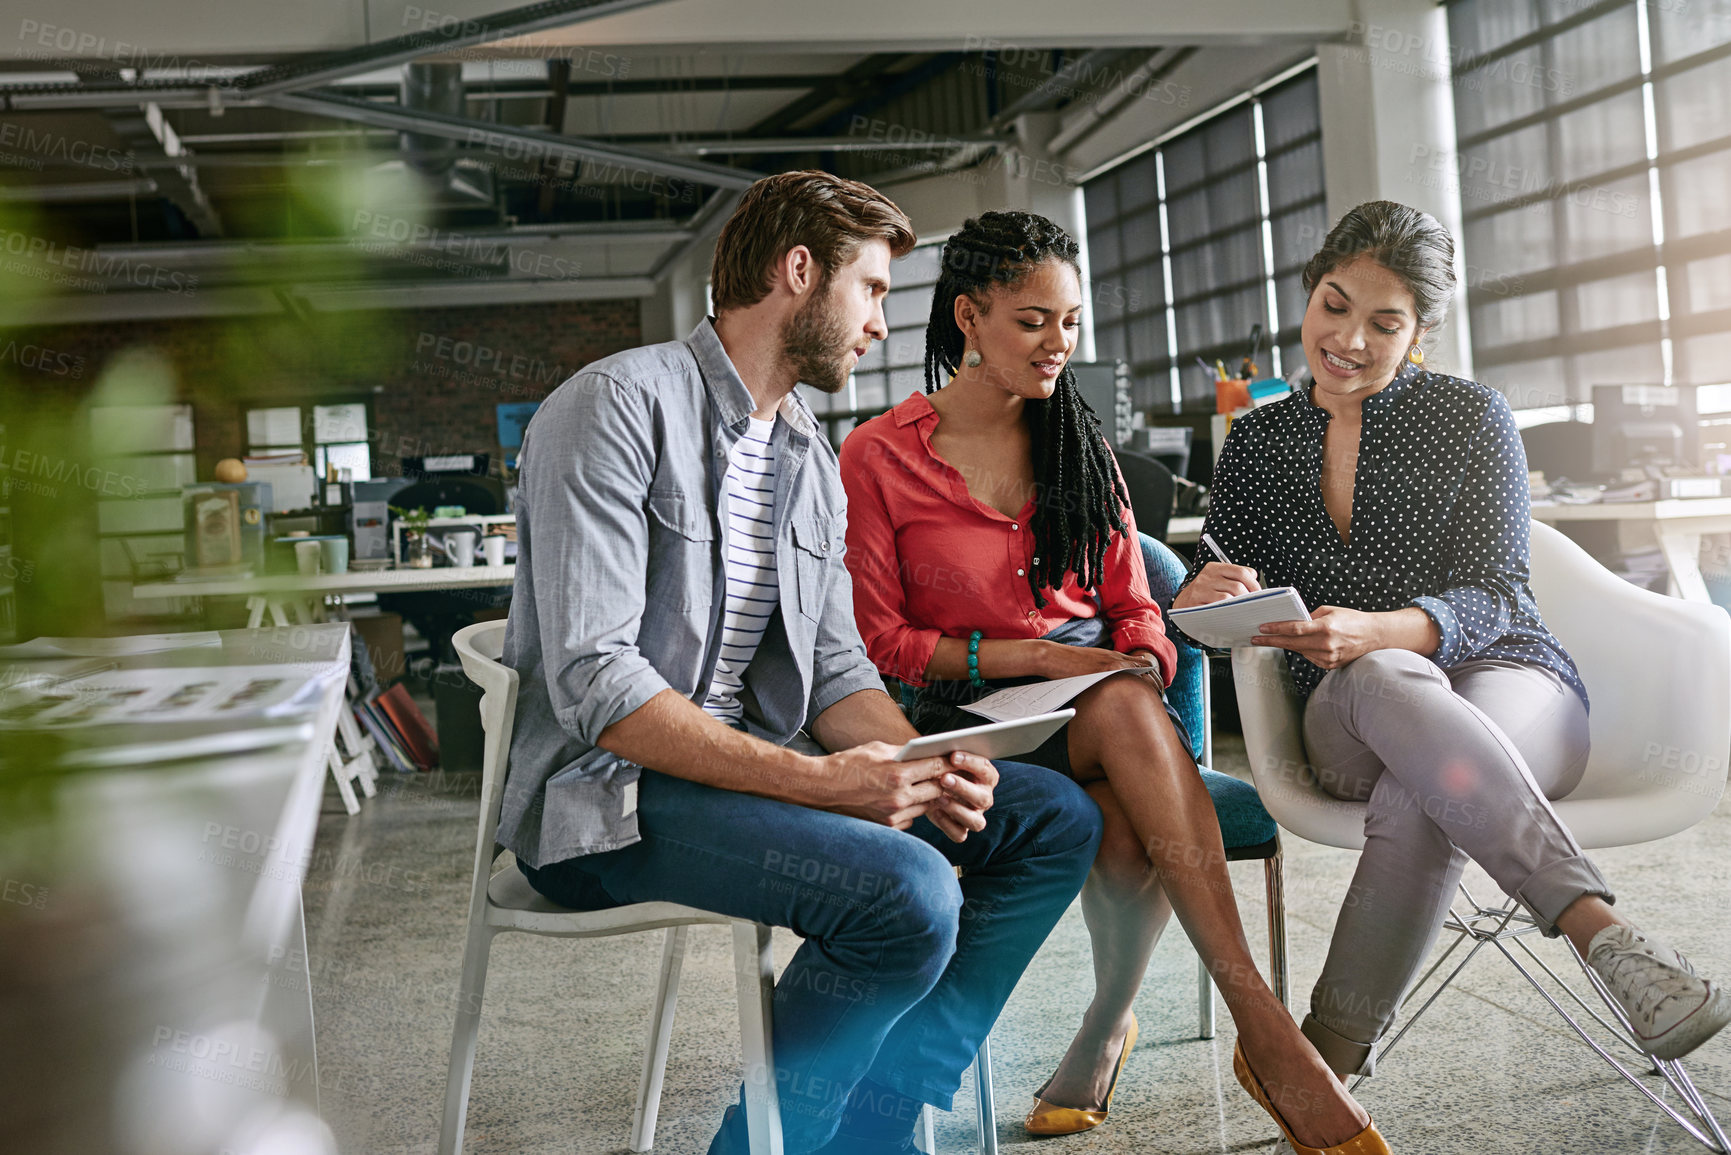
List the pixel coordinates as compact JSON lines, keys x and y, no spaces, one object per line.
{"x":815,"y":343}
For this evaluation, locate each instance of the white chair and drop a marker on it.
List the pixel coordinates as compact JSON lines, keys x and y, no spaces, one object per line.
{"x":505,"y":901}
{"x":1658,"y":672}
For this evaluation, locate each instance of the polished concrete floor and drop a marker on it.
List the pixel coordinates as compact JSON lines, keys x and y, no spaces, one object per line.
{"x":1489,"y":1070}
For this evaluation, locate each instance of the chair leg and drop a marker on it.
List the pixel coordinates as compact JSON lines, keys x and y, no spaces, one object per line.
{"x":469,"y":993}
{"x":754,"y":977}
{"x":1274,"y":876}
{"x":1204,"y":1000}
{"x":925,"y":1135}
{"x":987,"y":1117}
{"x":660,"y":1034}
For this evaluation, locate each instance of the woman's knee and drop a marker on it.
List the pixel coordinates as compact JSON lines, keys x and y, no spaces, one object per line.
{"x":1122,"y":705}
{"x":1391,"y":675}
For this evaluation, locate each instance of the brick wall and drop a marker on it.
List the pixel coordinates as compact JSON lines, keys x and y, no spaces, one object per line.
{"x":433,"y":376}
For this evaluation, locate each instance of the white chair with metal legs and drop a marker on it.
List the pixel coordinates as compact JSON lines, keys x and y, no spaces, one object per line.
{"x":505,"y":902}
{"x":1658,"y":671}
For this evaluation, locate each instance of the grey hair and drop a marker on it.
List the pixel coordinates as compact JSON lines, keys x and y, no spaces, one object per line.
{"x":1408,"y":242}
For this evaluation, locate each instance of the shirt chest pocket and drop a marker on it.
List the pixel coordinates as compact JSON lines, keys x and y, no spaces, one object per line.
{"x":681,"y":551}
{"x":817,"y":540}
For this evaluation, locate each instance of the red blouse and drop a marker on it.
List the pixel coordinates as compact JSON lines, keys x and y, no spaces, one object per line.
{"x":928,"y":561}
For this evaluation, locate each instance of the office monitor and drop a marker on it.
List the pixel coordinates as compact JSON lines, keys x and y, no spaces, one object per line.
{"x":1636,"y":426}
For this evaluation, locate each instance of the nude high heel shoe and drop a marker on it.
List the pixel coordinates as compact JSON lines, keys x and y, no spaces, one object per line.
{"x":1367,"y":1142}
{"x":1050,"y":1119}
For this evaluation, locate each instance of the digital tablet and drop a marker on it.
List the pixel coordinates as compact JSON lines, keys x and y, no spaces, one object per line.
{"x":994,"y":740}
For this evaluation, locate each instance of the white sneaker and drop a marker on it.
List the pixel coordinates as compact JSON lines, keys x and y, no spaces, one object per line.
{"x":1673,"y":1010}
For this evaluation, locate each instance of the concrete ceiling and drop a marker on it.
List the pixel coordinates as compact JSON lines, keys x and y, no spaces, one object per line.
{"x":183,"y":155}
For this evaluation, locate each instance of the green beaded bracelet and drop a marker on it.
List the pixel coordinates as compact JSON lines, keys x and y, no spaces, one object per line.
{"x":974,"y":678}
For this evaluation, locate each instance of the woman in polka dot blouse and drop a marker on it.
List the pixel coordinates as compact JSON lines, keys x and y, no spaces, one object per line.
{"x":1395,"y":500}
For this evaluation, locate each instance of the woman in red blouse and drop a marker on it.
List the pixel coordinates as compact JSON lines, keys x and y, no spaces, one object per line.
{"x":986,"y":520}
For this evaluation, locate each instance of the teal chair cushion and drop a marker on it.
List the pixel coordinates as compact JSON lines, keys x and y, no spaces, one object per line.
{"x":1245,"y":826}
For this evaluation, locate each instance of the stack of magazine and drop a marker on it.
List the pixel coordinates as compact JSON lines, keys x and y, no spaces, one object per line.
{"x":399,"y":729}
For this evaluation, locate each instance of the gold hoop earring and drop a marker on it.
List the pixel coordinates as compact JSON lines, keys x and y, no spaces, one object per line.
{"x":971,"y":358}
{"x":1415,"y":354}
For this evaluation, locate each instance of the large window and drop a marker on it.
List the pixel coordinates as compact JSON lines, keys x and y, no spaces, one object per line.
{"x":337,"y":436}
{"x":1192,"y":242}
{"x":146,"y":456}
{"x":1595,"y":181}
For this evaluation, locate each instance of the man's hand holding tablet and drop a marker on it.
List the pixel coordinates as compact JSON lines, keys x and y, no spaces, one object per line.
{"x":945,"y":777}
{"x":874,"y":783}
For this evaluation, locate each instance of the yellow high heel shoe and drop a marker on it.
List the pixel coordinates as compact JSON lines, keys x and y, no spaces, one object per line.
{"x":1050,"y":1119}
{"x":1367,"y":1142}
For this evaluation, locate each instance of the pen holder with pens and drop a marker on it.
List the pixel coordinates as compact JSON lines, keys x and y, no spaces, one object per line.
{"x":1231,"y":394}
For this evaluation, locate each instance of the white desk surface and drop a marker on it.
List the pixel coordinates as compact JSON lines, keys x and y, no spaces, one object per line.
{"x":353,"y":582}
{"x":234,"y":894}
{"x":1668,"y":510}
{"x":1184,"y":529}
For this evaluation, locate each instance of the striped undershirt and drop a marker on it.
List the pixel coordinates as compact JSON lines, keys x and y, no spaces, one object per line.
{"x":748,"y":542}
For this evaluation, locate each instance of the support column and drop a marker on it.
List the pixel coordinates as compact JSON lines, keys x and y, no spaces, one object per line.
{"x":681,"y":297}
{"x":1038,"y":181}
{"x":1388,"y":133}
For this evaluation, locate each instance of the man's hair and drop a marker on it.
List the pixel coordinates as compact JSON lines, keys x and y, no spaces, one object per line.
{"x":829,"y":215}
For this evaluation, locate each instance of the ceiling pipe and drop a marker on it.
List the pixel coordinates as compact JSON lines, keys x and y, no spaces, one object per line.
{"x":446,"y":35}
{"x":748,"y":145}
{"x":515,"y":144}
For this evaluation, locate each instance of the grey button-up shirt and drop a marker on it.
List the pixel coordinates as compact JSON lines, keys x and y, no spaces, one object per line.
{"x":620,"y":585}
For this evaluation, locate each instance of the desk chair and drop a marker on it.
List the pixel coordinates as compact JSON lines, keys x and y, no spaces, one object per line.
{"x":1629,"y":645}
{"x":505,"y":901}
{"x":1149,"y":484}
{"x":1246,"y":829}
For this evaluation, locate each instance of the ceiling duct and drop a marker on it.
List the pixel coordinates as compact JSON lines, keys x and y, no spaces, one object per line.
{"x":438,"y":88}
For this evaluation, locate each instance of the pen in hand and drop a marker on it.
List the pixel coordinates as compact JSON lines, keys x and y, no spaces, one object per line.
{"x":1214,"y":548}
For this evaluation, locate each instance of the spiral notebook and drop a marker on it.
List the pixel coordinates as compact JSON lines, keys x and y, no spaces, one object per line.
{"x":1235,"y":621}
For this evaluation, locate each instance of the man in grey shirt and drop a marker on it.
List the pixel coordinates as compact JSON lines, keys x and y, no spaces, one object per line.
{"x":622,"y":789}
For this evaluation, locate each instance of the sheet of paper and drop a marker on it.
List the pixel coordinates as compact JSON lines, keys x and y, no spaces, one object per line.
{"x":179,"y":694}
{"x":117,"y":647}
{"x":1235,"y":621}
{"x":1041,"y":697}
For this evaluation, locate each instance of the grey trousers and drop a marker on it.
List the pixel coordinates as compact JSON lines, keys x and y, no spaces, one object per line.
{"x":1452,"y":765}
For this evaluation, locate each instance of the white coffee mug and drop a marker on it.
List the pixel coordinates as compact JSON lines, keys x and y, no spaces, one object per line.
{"x":307,"y":558}
{"x":493,"y":547}
{"x":460,"y":547}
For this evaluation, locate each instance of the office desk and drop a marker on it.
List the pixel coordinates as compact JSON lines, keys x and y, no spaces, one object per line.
{"x":278,"y":593}
{"x":1677,"y":525}
{"x":1184,"y":529}
{"x":182,"y":874}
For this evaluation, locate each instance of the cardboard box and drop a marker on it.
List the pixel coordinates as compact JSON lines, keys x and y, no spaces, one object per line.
{"x":383,"y":637}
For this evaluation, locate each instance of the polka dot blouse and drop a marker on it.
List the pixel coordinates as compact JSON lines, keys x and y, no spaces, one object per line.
{"x":1440,"y":517}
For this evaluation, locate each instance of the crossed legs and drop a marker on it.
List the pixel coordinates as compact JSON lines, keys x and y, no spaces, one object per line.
{"x":1451,"y":765}
{"x":1128,"y":755}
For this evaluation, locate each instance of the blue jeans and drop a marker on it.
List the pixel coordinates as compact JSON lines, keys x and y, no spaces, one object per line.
{"x":904,"y":967}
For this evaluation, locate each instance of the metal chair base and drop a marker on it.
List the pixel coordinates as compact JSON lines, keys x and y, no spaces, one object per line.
{"x":1503,"y":927}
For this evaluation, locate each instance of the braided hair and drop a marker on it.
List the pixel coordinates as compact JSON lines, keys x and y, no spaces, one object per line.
{"x":1078,"y":496}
